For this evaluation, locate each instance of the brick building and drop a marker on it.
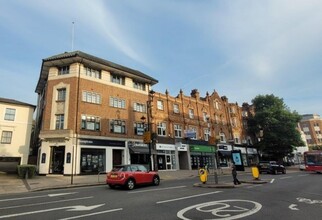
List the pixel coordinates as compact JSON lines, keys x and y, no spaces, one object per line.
{"x":92,"y":115}
{"x":311,"y":125}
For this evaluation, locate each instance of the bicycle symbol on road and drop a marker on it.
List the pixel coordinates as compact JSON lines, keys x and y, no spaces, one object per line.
{"x":223,"y":210}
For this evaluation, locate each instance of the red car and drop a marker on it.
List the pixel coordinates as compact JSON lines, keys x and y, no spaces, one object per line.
{"x":131,"y":175}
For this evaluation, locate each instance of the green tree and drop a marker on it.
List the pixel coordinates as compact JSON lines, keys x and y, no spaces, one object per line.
{"x":275,"y":125}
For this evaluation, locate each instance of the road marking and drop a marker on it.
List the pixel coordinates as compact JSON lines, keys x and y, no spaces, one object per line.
{"x":159,"y":189}
{"x":69,"y":208}
{"x":34,"y":197}
{"x":253,"y":186}
{"x":287,"y":177}
{"x":292,"y":207}
{"x":91,"y":214}
{"x":35,"y":204}
{"x":303,"y":175}
{"x":224,"y":209}
{"x":272,"y":181}
{"x":187,"y":197}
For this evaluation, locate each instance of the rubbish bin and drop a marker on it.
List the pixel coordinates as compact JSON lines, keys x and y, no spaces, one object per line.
{"x":255,"y":172}
{"x":203,"y":175}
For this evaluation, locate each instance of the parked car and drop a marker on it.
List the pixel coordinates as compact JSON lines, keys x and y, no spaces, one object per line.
{"x":270,"y":167}
{"x":131,"y":175}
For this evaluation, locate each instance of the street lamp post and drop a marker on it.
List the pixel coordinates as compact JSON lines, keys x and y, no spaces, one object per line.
{"x":214,"y":166}
{"x":148,"y":137}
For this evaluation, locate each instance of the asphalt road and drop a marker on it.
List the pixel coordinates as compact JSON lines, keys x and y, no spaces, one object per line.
{"x":292,"y":196}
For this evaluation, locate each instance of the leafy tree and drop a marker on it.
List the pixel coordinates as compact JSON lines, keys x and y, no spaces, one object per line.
{"x":277,"y":126}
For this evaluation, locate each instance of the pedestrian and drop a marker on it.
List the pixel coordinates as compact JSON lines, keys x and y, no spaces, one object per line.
{"x":234,"y":173}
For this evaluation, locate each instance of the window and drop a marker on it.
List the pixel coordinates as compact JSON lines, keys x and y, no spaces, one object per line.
{"x":117,"y":126}
{"x":222,"y":137}
{"x":117,"y":79}
{"x":178,"y":131}
{"x":117,"y":102}
{"x":61,"y":94}
{"x":205,"y":117}
{"x":10,"y":114}
{"x":43,"y":158}
{"x":138,"y":85}
{"x":63,"y":70}
{"x":91,"y":97}
{"x":139,"y":128}
{"x":92,"y":73}
{"x":59,"y":122}
{"x":6,"y":137}
{"x":162,"y":127}
{"x":193,"y":130}
{"x":206,"y":134}
{"x":138,"y":107}
{"x":191,"y":115}
{"x":176,"y":108}
{"x":91,"y":123}
{"x":160,"y":105}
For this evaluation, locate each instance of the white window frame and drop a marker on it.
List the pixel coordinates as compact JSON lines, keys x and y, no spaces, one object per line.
{"x":177,"y":131}
{"x":60,"y":121}
{"x":6,"y":137}
{"x":91,"y":123}
{"x":117,"y":102}
{"x":91,"y":97}
{"x":118,"y":126}
{"x":63,"y":70}
{"x":160,"y":105}
{"x":162,"y":128}
{"x":207,"y":134}
{"x":117,"y":79}
{"x":176,"y":108}
{"x":139,"y":107}
{"x":139,"y":85}
{"x":191,"y":113}
{"x":61,"y":94}
{"x":10,"y":114}
{"x":92,"y":72}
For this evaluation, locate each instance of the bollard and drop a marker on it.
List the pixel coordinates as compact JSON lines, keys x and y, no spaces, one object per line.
{"x":203,"y":175}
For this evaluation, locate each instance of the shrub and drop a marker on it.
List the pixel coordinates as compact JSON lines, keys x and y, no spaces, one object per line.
{"x":30,"y":170}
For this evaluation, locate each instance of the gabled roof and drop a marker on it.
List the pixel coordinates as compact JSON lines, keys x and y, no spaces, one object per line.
{"x":79,"y":56}
{"x":15,"y":102}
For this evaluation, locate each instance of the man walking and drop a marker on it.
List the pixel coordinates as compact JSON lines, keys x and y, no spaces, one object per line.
{"x":234,"y":173}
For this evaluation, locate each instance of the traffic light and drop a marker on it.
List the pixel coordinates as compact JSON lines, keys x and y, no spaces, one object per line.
{"x":146,"y":137}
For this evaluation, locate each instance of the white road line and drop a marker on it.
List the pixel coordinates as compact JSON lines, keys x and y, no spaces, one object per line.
{"x":34,"y":197}
{"x":287,"y":177}
{"x":159,"y":189}
{"x":303,"y":175}
{"x":272,"y":181}
{"x":253,"y":186}
{"x":187,"y":197}
{"x":91,"y":214}
{"x":42,"y":203}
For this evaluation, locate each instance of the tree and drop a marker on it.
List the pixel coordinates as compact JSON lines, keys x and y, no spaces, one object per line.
{"x":278,"y":126}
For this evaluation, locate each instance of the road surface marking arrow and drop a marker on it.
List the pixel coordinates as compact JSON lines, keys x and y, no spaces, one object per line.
{"x":70,"y":208}
{"x":34,"y":197}
{"x":292,"y":207}
{"x":60,"y":194}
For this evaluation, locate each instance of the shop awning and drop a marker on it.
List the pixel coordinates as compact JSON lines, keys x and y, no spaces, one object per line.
{"x":224,"y":153}
{"x":139,"y":150}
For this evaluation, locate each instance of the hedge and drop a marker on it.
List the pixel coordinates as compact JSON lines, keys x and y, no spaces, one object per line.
{"x":30,"y":170}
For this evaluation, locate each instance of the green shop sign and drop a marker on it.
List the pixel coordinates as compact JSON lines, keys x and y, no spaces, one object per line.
{"x":202,"y":148}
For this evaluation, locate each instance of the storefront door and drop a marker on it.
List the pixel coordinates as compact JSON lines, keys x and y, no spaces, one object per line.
{"x":57,"y":160}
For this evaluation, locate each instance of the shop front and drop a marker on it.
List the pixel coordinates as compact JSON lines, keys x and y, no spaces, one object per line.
{"x":166,"y":157}
{"x":224,"y":155}
{"x":139,"y":153}
{"x":202,"y":155}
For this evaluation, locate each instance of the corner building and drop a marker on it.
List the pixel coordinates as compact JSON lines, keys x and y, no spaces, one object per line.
{"x":89,"y":114}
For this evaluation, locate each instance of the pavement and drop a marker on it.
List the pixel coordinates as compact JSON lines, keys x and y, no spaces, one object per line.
{"x":11,"y":183}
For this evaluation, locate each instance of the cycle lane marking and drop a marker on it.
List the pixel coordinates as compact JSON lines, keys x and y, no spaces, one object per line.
{"x":187,"y":197}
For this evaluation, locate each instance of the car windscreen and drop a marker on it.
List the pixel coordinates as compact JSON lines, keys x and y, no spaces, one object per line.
{"x":118,"y":169}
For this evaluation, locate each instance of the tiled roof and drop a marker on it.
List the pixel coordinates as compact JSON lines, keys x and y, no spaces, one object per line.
{"x":82,"y":55}
{"x":12,"y":101}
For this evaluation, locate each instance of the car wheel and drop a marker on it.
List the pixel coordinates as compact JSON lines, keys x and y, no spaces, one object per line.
{"x":130,"y":184}
{"x":156,"y":180}
{"x":111,"y":186}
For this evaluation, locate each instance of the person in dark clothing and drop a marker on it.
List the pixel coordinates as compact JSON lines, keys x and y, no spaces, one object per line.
{"x":234,"y":173}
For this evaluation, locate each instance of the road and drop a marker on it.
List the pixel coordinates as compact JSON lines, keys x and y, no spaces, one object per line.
{"x":292,"y":196}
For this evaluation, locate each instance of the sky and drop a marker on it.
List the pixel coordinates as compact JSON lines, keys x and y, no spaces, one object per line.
{"x":240,"y":48}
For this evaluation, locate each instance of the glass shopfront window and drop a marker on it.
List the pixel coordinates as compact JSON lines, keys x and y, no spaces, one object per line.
{"x":92,"y":160}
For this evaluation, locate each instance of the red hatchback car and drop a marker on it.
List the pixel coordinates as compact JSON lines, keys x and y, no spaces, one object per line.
{"x":131,"y":175}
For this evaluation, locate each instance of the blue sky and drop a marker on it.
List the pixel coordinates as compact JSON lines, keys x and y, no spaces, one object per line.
{"x":239,"y":48}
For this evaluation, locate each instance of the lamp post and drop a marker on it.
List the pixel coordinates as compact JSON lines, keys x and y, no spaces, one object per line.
{"x":214,"y":166}
{"x":147,"y":137}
